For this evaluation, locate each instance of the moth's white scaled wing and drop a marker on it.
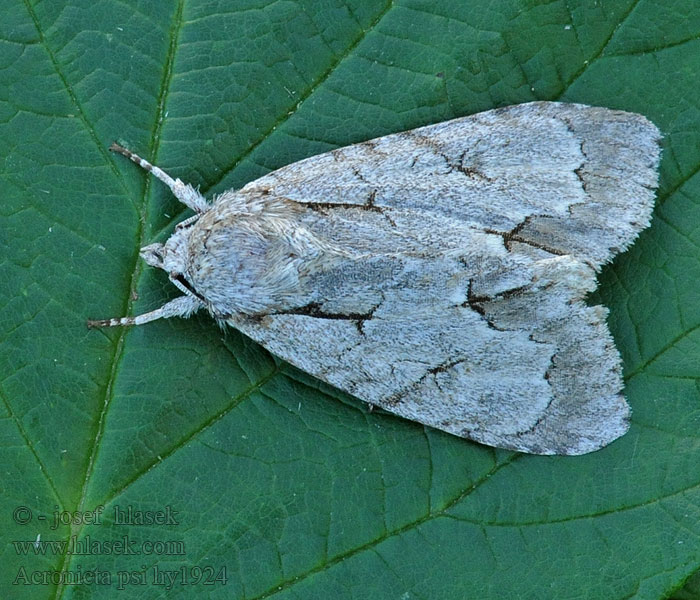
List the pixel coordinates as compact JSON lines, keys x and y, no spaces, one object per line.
{"x":465,"y":252}
{"x":578,"y":177}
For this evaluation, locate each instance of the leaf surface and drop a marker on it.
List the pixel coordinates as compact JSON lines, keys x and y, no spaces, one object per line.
{"x":291,"y":488}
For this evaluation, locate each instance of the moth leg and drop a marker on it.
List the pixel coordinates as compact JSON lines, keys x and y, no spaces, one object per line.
{"x":183,"y":306}
{"x":184,"y":192}
{"x":187,"y":222}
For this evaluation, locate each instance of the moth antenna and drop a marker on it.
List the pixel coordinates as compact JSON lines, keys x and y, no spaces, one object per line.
{"x":183,"y":306}
{"x":185,"y":193}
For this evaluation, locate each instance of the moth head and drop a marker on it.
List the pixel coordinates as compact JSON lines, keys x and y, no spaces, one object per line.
{"x":171,"y":256}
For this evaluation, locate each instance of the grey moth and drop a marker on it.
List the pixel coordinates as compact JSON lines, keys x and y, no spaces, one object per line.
{"x":440,"y":273}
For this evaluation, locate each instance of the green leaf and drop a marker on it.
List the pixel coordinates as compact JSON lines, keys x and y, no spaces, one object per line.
{"x":290,"y":488}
